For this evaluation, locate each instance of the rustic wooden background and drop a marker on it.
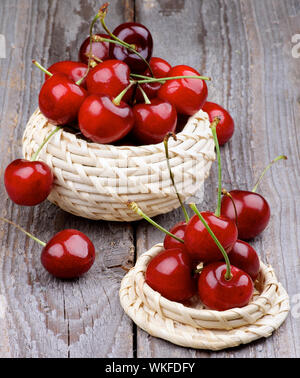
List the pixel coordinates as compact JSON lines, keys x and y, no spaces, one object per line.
{"x":246,"y":46}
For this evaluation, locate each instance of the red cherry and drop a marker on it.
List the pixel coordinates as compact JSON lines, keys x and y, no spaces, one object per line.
{"x":225,"y":127}
{"x":60,"y":99}
{"x":253,"y":212}
{"x":160,"y":67}
{"x":244,"y":256}
{"x":187,"y":95}
{"x":177,"y":230}
{"x":200,"y":245}
{"x":109,"y":78}
{"x":68,"y":254}
{"x":170,"y":273}
{"x":220,"y":294}
{"x":102,"y":121}
{"x":99,"y":49}
{"x":73,"y":70}
{"x":133,"y":34}
{"x":153,"y":121}
{"x":28,"y":183}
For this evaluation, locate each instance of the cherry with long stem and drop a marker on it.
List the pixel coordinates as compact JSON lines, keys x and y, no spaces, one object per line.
{"x":209,"y":230}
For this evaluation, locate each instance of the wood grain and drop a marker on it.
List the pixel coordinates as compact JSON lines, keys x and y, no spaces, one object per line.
{"x":246,"y":47}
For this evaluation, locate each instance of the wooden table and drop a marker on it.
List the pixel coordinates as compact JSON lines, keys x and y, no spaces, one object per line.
{"x":246,"y":46}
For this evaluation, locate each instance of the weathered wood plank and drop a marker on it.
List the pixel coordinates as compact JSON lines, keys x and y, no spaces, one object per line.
{"x":45,"y":317}
{"x":245,"y":47}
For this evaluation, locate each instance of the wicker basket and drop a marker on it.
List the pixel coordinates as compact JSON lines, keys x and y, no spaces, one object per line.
{"x":96,"y":181}
{"x":192,"y":325}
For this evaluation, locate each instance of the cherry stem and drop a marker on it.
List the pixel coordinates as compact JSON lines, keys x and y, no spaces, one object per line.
{"x":280,"y":157}
{"x":166,"y":140}
{"x":117,"y":99}
{"x":24,"y":231}
{"x":134,"y":207}
{"x":163,"y":79}
{"x":228,"y":274}
{"x":35,"y":155}
{"x":213,"y":127}
{"x":38,"y":65}
{"x":98,"y":15}
{"x":103,"y":12}
{"x":225,"y":193}
{"x":146,"y":98}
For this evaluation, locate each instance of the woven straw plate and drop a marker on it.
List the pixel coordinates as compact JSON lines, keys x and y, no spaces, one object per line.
{"x":191,"y":325}
{"x":96,"y":181}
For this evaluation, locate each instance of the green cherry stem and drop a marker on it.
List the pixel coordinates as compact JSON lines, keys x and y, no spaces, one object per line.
{"x":166,"y":140}
{"x":24,"y":231}
{"x":213,"y":127}
{"x":117,"y":100}
{"x":35,"y":155}
{"x":164,"y":79}
{"x":134,"y":207}
{"x":228,"y":274}
{"x":146,"y":98}
{"x":38,"y":65}
{"x":280,"y":157}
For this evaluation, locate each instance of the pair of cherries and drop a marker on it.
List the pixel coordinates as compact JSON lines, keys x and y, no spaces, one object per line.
{"x":210,"y":238}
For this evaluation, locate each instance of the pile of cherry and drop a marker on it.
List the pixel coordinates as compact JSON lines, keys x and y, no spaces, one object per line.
{"x":208,"y":254}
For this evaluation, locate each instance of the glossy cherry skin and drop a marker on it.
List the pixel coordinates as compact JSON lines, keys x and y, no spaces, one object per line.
{"x":109,"y":78}
{"x":60,"y":99}
{"x":225,"y":127}
{"x":160,"y":68}
{"x":69,"y":254}
{"x":198,"y":242}
{"x":179,"y":231}
{"x":153,"y":121}
{"x":99,"y":49}
{"x":104,"y":122}
{"x":244,"y":256}
{"x":187,"y":95}
{"x":220,"y":294}
{"x":73,"y":70}
{"x":170,"y":273}
{"x":137,"y":35}
{"x":253,"y":212}
{"x":28,"y":183}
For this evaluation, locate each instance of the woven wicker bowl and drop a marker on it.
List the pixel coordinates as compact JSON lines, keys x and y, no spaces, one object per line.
{"x":95,"y":181}
{"x":192,"y":325}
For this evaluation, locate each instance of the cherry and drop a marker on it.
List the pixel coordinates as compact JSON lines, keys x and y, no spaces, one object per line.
{"x":251,"y":210}
{"x":179,"y":231}
{"x":187,"y":95}
{"x":160,"y":69}
{"x":100,"y":50}
{"x":219,"y":293}
{"x":137,"y":36}
{"x":153,"y":121}
{"x":104,"y":120}
{"x":73,"y":70}
{"x":170,"y":273}
{"x":225,"y":128}
{"x":244,"y":256}
{"x":69,"y":254}
{"x":109,"y":78}
{"x":60,"y":99}
{"x":28,"y":183}
{"x":200,"y":245}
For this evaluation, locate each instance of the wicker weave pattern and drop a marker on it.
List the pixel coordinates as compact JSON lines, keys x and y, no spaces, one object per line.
{"x":95,"y":181}
{"x":192,"y":325}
